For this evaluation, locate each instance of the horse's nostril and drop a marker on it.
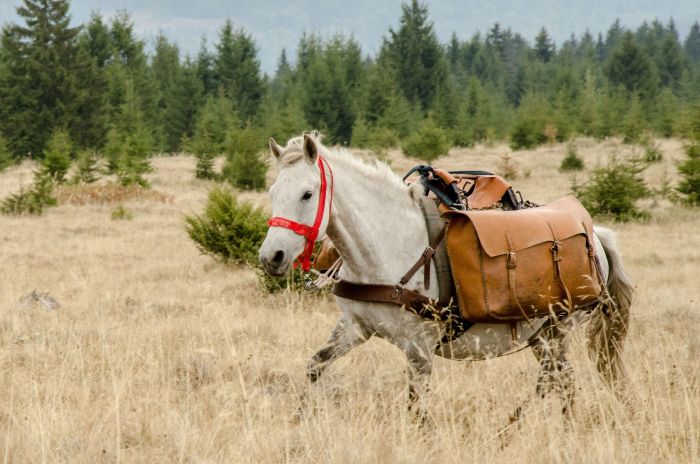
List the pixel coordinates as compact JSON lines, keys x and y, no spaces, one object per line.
{"x":278,"y":258}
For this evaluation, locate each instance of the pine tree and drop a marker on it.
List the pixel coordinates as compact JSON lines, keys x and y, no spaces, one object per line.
{"x":182,"y":103}
{"x":633,"y":125}
{"x":544,"y":47}
{"x":614,"y":36}
{"x":664,"y":120}
{"x":214,"y":121}
{"x":237,"y":70}
{"x":129,"y":142}
{"x":6,"y":159}
{"x":166,"y":70}
{"x":692,"y":43}
{"x":90,"y":128}
{"x":244,"y":169}
{"x":330,"y":87}
{"x":57,"y":155}
{"x":281,"y":86}
{"x":495,"y":38}
{"x":205,"y":71}
{"x":204,"y":169}
{"x":96,"y":40}
{"x":129,"y":68}
{"x":283,"y":121}
{"x":670,"y":62}
{"x":415,"y":56}
{"x":39,"y":88}
{"x":587,"y":105}
{"x":630,"y":68}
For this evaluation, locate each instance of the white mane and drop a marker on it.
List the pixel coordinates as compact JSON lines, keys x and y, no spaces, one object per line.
{"x":376,"y":170}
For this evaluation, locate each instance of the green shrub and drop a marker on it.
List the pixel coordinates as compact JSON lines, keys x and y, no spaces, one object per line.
{"x":613,"y":190}
{"x":295,"y":280}
{"x":86,"y":164}
{"x":57,"y":155}
{"x":427,"y":143}
{"x":120,"y":212}
{"x":232,"y":232}
{"x":228,"y":230}
{"x":689,"y":170}
{"x":526,"y":133}
{"x":6,"y":159}
{"x":375,"y":138}
{"x":32,"y":200}
{"x":382,"y":138}
{"x":245,"y":171}
{"x":652,"y":152}
{"x":572,"y":161}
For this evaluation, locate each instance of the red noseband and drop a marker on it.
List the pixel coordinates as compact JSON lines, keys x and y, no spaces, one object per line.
{"x":310,"y":232}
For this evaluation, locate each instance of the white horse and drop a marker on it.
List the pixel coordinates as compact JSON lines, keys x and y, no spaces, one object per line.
{"x":376,"y":224}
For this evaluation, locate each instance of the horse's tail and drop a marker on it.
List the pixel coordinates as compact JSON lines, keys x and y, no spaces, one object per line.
{"x":607,"y":330}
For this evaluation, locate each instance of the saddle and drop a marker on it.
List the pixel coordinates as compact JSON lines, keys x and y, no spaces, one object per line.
{"x":515,"y":265}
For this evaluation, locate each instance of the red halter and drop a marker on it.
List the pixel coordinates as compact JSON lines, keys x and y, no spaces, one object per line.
{"x":310,"y":232}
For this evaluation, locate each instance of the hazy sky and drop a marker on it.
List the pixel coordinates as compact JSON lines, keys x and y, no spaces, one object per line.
{"x":277,"y":24}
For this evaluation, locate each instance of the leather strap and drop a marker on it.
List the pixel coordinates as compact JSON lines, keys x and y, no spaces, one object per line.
{"x":511,"y":265}
{"x":423,"y":261}
{"x":437,"y":226}
{"x":392,"y":294}
{"x":556,"y":260}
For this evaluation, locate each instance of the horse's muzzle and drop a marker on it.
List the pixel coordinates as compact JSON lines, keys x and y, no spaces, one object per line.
{"x":276,"y":265}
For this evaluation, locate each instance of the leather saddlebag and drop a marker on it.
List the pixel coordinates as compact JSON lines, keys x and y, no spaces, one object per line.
{"x":326,"y":256}
{"x":515,"y":265}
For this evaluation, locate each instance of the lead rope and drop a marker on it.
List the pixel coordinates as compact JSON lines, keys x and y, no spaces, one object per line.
{"x":323,"y":279}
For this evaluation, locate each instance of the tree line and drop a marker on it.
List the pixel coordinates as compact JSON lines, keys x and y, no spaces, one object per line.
{"x":96,"y":84}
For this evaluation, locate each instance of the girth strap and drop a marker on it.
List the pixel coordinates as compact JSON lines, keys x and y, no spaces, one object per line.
{"x":392,"y":294}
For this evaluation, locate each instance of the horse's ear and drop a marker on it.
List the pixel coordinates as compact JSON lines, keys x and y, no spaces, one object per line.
{"x":310,"y":148}
{"x":275,"y":149}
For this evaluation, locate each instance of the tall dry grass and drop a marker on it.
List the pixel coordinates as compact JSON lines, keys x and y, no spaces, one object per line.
{"x":159,"y":354}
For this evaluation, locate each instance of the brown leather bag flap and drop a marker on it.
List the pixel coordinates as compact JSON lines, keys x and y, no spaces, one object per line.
{"x":487,"y":191}
{"x":526,"y":228}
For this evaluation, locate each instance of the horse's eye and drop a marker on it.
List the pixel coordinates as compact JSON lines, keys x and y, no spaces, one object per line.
{"x":307,"y":196}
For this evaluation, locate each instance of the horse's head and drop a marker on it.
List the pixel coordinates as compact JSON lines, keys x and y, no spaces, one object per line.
{"x":301,"y":201}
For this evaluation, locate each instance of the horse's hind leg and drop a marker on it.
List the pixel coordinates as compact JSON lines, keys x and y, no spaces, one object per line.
{"x":556,"y":373}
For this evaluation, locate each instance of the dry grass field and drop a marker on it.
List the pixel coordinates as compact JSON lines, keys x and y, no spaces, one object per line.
{"x":159,"y":354}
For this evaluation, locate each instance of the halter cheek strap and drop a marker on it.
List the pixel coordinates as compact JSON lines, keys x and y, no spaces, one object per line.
{"x":310,"y":232}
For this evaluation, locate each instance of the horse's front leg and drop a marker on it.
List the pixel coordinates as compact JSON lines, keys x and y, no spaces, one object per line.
{"x":420,"y":367}
{"x":345,"y":336}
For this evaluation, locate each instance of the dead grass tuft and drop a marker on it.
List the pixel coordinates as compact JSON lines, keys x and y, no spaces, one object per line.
{"x":108,"y":193}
